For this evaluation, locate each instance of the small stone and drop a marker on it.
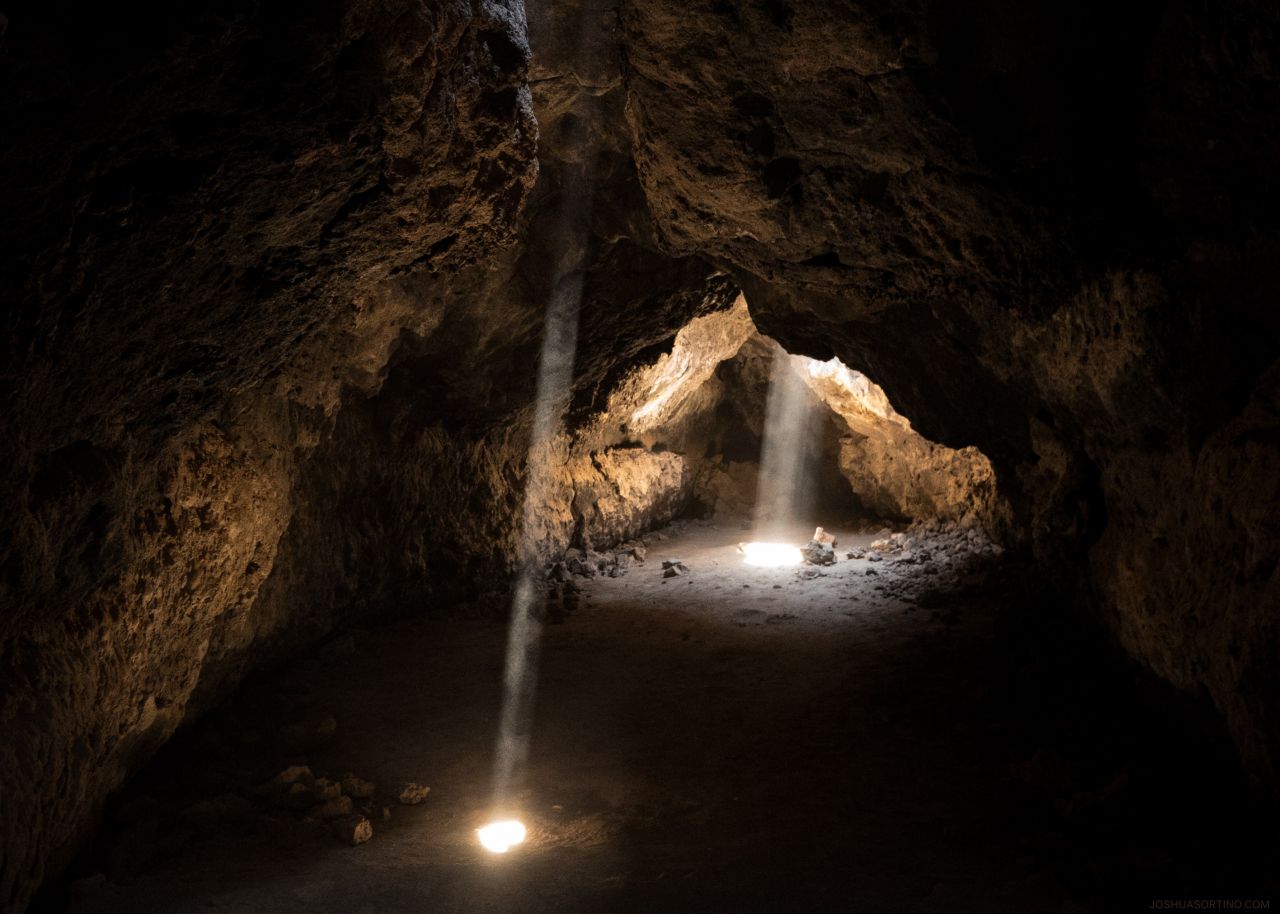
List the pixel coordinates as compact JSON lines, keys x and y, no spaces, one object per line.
{"x":638,"y":553}
{"x":325,"y":789}
{"x":338,"y":806}
{"x":872,"y":571}
{"x":674,"y":569}
{"x":856,"y":553}
{"x":874,"y":557}
{"x":292,"y":774}
{"x":819,"y":553}
{"x":671,"y":563}
{"x":296,"y":796}
{"x":822,"y":536}
{"x":386,"y":813}
{"x":412,"y":794}
{"x":356,"y":787}
{"x":353,"y":829}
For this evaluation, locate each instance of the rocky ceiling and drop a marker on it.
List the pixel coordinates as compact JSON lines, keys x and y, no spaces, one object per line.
{"x":274,"y":282}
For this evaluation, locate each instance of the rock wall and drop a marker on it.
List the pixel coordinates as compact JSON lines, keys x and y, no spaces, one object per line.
{"x":897,"y":473}
{"x":1049,"y":231}
{"x":202,"y":207}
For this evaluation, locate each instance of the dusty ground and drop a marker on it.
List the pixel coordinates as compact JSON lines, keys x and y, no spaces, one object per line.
{"x":738,"y":739}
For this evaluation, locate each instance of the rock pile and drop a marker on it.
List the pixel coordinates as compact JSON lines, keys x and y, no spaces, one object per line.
{"x":347,"y":805}
{"x":588,"y":563}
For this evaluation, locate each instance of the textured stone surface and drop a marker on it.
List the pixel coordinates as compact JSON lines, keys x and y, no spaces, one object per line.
{"x":200,"y":209}
{"x":707,"y":398}
{"x":623,"y":492}
{"x":897,"y":473}
{"x":1047,"y":232}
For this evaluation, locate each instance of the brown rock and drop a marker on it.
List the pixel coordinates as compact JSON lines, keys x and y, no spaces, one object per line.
{"x":293,"y":774}
{"x":352,"y":829}
{"x":338,"y":806}
{"x":411,"y":794}
{"x":325,"y":789}
{"x":357,"y":787}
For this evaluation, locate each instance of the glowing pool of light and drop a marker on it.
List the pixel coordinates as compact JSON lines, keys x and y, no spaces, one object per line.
{"x":770,"y":555}
{"x":500,"y":837}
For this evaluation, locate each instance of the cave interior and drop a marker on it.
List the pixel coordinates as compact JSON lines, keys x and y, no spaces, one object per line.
{"x":786,"y":454}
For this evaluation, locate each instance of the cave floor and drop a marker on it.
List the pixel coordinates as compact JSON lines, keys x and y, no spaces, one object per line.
{"x":736,"y":739}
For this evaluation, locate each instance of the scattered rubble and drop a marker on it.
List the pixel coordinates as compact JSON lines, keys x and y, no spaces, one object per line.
{"x":588,"y":563}
{"x":315,"y":798}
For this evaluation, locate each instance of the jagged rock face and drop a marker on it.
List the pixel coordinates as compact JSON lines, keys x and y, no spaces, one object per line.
{"x":1049,"y":232}
{"x":896,"y":472}
{"x":629,"y":491}
{"x":707,"y":399}
{"x":201,"y":209}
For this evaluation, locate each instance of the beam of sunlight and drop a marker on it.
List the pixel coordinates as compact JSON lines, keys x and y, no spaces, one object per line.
{"x":499,"y":837}
{"x":554,"y":387}
{"x":771,"y":555}
{"x":524,"y":635}
{"x":785,"y":483}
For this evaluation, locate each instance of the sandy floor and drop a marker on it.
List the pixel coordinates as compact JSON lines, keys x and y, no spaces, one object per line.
{"x":738,"y":739}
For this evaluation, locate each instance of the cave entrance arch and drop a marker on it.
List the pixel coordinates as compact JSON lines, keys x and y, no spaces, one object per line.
{"x":699,"y":433}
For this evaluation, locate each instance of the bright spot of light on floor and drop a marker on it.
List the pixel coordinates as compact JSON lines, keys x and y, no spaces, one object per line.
{"x":500,"y":837}
{"x":770,"y":555}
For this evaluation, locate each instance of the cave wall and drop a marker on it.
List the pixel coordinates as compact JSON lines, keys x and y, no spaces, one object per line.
{"x":201,"y":205}
{"x":1046,"y":230}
